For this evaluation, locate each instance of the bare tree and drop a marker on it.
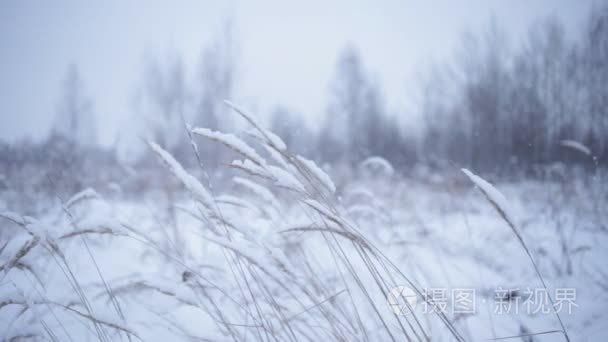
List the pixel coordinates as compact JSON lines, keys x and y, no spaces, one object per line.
{"x":163,"y":100}
{"x":500,"y":105}
{"x":353,"y":112}
{"x":357,"y":124}
{"x":594,"y":61}
{"x":75,"y":120}
{"x":216,"y":78}
{"x":215,"y":83}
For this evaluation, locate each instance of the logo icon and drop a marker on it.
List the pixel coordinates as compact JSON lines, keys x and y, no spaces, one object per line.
{"x":402,"y":300}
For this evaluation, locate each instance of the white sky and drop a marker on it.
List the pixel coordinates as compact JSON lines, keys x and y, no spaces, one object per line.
{"x":287,"y":48}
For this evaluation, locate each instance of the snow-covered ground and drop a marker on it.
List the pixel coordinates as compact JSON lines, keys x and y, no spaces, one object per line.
{"x":284,"y":253}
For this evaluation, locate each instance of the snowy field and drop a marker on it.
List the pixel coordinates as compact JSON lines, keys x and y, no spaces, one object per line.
{"x":315,"y":171}
{"x":282,"y":252}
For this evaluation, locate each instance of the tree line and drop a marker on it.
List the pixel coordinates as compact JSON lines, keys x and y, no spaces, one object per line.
{"x":502,"y":106}
{"x":496,"y":107}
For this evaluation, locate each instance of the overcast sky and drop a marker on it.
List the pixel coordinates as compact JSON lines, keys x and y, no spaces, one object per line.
{"x":287,"y":48}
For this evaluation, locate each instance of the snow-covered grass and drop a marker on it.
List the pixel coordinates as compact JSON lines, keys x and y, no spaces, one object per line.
{"x":283,"y":254}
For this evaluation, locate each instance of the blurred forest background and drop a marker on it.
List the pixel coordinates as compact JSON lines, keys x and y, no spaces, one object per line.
{"x":502,"y":107}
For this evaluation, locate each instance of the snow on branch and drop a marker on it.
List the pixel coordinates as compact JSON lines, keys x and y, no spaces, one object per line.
{"x":496,"y":198}
{"x":576,"y":146}
{"x":319,"y":174}
{"x":233,"y":143}
{"x":84,"y":195}
{"x":188,"y":181}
